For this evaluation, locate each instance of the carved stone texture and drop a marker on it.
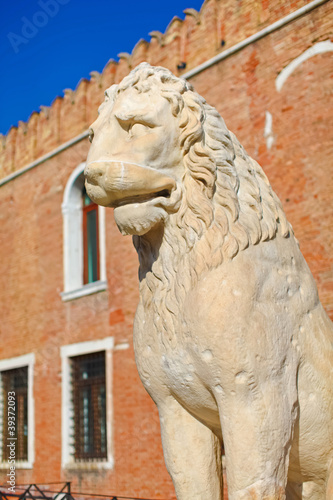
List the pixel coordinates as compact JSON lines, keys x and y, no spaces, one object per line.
{"x":230,"y":338}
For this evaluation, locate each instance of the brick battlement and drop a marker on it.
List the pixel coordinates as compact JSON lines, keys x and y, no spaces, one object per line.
{"x":185,"y":44}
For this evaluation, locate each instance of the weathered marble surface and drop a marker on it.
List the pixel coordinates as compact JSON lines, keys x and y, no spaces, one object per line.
{"x":230,"y":337}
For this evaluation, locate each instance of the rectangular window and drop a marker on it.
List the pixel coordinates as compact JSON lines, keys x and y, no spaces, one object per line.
{"x":89,"y":402}
{"x":87,"y":405}
{"x":17,"y":410}
{"x":15,"y":382}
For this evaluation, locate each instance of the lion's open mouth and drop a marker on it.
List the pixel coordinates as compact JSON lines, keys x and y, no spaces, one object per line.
{"x":142,"y":198}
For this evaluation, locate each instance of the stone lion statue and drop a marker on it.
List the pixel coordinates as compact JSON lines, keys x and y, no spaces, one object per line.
{"x":231,"y":340}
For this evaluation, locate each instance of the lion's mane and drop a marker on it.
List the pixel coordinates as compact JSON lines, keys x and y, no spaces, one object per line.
{"x":226,"y":204}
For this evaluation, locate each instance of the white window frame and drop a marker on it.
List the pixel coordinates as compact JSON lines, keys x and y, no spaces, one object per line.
{"x":67,"y":411}
{"x":73,"y":241}
{"x":27,"y":360}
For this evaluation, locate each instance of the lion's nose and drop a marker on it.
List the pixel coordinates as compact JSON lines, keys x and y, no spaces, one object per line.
{"x":93,"y":171}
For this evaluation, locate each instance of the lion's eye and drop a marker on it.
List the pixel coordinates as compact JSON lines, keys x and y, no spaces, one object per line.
{"x":138,"y":129}
{"x":91,"y":135}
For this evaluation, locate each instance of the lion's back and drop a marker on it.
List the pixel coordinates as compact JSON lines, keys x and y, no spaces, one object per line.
{"x":262,"y":299}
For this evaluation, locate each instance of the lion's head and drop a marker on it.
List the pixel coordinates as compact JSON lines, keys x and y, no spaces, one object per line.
{"x":159,"y":149}
{"x":135,"y":161}
{"x":162,"y":157}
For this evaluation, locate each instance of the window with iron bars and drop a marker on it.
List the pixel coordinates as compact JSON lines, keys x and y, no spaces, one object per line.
{"x":15,"y":381}
{"x":89,"y":406}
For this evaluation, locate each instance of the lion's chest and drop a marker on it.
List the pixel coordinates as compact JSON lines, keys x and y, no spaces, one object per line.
{"x":172,"y":367}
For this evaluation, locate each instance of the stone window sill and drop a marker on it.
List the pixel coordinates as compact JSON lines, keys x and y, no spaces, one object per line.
{"x":89,"y":466}
{"x":89,"y":289}
{"x":18,"y":465}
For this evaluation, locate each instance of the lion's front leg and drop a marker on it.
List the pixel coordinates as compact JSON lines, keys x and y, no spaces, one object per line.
{"x":257,"y":423}
{"x":192,"y":454}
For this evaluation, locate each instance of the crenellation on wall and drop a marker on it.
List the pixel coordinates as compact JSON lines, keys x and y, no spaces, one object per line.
{"x":21,"y":152}
{"x":193,"y":13}
{"x":94,"y":95}
{"x":3,"y":139}
{"x":81,"y":105}
{"x":173,"y":28}
{"x":109,"y":73}
{"x":73,"y":112}
{"x":10,"y":152}
{"x":26,"y":141}
{"x":156,"y":47}
{"x":208,"y":17}
{"x":170,"y":53}
{"x":139,"y":52}
{"x":48,"y":125}
{"x":196,"y":26}
{"x":157,"y":35}
{"x":123,"y":66}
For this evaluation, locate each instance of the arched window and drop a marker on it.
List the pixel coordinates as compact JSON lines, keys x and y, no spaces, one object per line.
{"x":90,"y":239}
{"x":84,"y":240}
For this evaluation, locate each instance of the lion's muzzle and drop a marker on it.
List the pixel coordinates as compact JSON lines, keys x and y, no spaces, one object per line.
{"x":115,"y":183}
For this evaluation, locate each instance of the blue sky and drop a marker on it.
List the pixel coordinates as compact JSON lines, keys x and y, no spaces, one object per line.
{"x":49,"y":45}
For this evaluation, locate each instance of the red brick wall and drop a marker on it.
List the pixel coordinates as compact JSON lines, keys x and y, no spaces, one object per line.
{"x":242,"y":87}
